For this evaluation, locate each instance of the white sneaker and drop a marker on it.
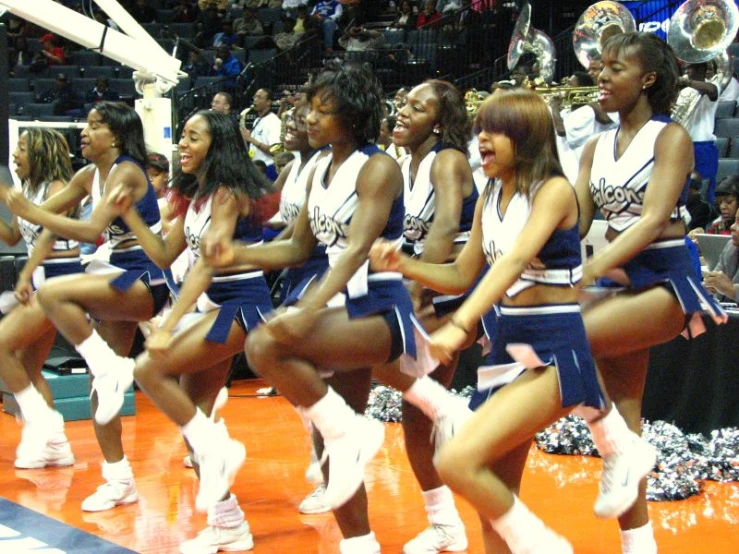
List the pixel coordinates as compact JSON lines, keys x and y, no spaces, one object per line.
{"x":619,"y":483}
{"x":43,"y":443}
{"x":315,"y":503}
{"x":218,"y":470}
{"x":347,"y":458}
{"x":110,"y":387}
{"x":216,"y":539}
{"x":110,"y":495}
{"x":447,"y":426}
{"x":438,"y":538}
{"x":313,"y":473}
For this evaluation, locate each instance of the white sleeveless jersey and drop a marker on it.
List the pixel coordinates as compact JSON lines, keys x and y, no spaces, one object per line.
{"x":293,"y":192}
{"x":420,"y":202}
{"x":31,"y":232}
{"x":196,"y":223}
{"x":618,"y":186}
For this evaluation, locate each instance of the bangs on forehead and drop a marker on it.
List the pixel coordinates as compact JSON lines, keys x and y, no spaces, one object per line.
{"x":490,"y":117}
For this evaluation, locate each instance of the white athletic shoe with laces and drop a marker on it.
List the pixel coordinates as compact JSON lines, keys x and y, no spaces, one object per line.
{"x":619,"y":483}
{"x":315,"y":503}
{"x":111,"y":494}
{"x":438,"y":538}
{"x":43,"y":443}
{"x":219,"y":539}
{"x":347,"y":458}
{"x":111,"y":387}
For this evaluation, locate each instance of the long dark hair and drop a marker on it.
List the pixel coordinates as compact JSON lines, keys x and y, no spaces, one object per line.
{"x":358,"y":96}
{"x":227,"y":164}
{"x":127,"y":128}
{"x":655,"y":55}
{"x":456,"y":127}
{"x":523,"y":117}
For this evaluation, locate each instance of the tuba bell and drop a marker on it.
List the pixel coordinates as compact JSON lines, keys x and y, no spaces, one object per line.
{"x":596,"y":25}
{"x":525,"y":39}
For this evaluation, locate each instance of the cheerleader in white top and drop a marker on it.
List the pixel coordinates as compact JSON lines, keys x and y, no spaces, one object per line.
{"x":637,"y":176}
{"x":184,"y":368}
{"x":356,"y":196}
{"x":127,"y":289}
{"x":526,"y":229}
{"x":440,"y":197}
{"x":26,"y":334}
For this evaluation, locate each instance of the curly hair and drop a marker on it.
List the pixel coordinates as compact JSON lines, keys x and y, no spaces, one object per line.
{"x":656,"y":56}
{"x":358,"y":96}
{"x":456,"y":127}
{"x":523,"y":116}
{"x":48,"y":158}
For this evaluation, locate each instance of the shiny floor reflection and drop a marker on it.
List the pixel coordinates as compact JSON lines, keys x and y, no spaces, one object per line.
{"x":561,"y":489}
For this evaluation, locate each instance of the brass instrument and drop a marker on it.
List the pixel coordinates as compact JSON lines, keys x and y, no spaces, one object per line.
{"x":570,"y":96}
{"x":596,"y":25}
{"x":246,"y":118}
{"x":526,"y":39}
{"x":701,"y":31}
{"x":472,"y":100}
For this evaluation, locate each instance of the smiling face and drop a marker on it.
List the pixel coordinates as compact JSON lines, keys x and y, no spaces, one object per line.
{"x":194,"y":144}
{"x":21,"y":158}
{"x":97,"y":138}
{"x":418,"y":118}
{"x":324,"y":125}
{"x":623,"y":80}
{"x":497,"y":152}
{"x":296,"y":130}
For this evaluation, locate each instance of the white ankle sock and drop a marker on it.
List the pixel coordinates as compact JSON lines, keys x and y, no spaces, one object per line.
{"x":440,"y":507}
{"x":118,"y":471}
{"x":610,"y":434}
{"x":366,"y":544}
{"x":226,"y":514}
{"x":95,"y":351}
{"x":199,"y":432}
{"x":32,"y":404}
{"x":331,"y":415}
{"x":639,"y":540}
{"x":430,"y":397}
{"x":519,"y":527}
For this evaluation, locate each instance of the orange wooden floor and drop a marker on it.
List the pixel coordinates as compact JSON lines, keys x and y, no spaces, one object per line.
{"x":561,"y":489}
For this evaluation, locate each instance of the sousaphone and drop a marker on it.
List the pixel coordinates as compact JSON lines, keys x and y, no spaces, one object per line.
{"x":596,"y":25}
{"x":701,"y":29}
{"x":526,"y":39}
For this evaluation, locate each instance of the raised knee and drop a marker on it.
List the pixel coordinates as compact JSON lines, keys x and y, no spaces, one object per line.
{"x":45,"y":296}
{"x":453,"y":468}
{"x":261,"y":351}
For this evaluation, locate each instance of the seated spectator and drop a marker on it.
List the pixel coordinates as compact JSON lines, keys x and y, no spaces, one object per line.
{"x":406,"y":18}
{"x":157,"y":168}
{"x":326,"y":15}
{"x":63,"y":96}
{"x":701,"y":212}
{"x":291,"y":6}
{"x":51,"y":54}
{"x":197,"y":64}
{"x":227,"y":36}
{"x":359,"y":39}
{"x":282,"y":159}
{"x":445,"y":7}
{"x":467,"y":17}
{"x":724,"y":279}
{"x":727,"y":198}
{"x":287,"y":38}
{"x":208,"y":24}
{"x":248,"y":25}
{"x":226,"y":64}
{"x":142,"y":12}
{"x":429,"y":16}
{"x":185,"y":12}
{"x":101,"y":92}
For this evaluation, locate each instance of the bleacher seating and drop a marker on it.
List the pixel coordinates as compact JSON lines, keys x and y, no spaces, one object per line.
{"x":727,"y":127}
{"x":260,"y":55}
{"x":16,"y":84}
{"x":726,"y":166}
{"x":725,"y":109}
{"x":733,"y":150}
{"x":722,"y":144}
{"x":38,"y":110}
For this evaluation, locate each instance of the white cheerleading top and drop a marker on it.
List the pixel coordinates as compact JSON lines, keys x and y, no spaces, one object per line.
{"x":420,"y":202}
{"x":618,"y":185}
{"x":293,"y":192}
{"x":31,"y":232}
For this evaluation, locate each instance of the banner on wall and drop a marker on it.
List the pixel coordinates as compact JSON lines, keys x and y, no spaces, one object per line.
{"x":654,"y":16}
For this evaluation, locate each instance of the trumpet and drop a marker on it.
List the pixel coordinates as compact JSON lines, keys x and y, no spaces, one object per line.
{"x":570,"y":96}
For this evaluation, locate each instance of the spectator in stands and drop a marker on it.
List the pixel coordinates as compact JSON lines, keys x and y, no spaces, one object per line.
{"x":429,"y":16}
{"x":221,"y":103}
{"x":18,"y":54}
{"x":62,"y":95}
{"x":208,"y":24}
{"x":701,"y":212}
{"x":225,"y":63}
{"x":595,"y":67}
{"x":445,"y":7}
{"x":265,"y":132}
{"x":724,"y":279}
{"x":51,"y":54}
{"x":101,"y":91}
{"x":142,"y":12}
{"x":727,"y":197}
{"x":303,"y":21}
{"x":359,"y":39}
{"x":248,"y":25}
{"x":197,"y":65}
{"x":288,"y":37}
{"x":228,"y":35}
{"x":157,"y":168}
{"x":326,"y":14}
{"x":406,"y":18}
{"x":291,"y":6}
{"x":698,"y":118}
{"x":185,"y":12}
